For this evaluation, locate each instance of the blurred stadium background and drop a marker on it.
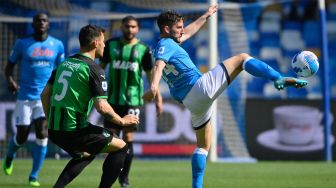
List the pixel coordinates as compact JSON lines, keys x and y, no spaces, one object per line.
{"x":270,"y":30}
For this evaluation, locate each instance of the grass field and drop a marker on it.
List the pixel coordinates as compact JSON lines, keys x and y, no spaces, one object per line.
{"x":176,"y":174}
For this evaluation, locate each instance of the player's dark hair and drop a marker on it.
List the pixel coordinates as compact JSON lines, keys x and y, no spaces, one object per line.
{"x":168,"y":18}
{"x":89,"y":33}
{"x":128,"y":18}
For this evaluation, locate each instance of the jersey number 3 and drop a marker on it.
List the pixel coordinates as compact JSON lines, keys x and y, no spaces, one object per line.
{"x":64,"y":83}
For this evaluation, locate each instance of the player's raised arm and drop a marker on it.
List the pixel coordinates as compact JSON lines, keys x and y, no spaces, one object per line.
{"x":192,"y":28}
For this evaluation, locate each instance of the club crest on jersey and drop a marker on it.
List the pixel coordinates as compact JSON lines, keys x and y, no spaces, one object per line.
{"x":136,"y":54}
{"x":104,"y":85}
{"x":106,"y":134}
{"x":161,"y":50}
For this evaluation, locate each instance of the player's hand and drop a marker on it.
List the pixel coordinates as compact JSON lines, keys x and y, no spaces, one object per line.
{"x":130,"y":119}
{"x":148,"y":95}
{"x":158,"y":105}
{"x":212,"y":9}
{"x":13,"y":87}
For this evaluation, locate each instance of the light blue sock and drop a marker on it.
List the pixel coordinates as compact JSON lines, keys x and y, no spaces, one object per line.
{"x":198,"y":163}
{"x":39,"y":153}
{"x":13,"y":146}
{"x":260,"y":69}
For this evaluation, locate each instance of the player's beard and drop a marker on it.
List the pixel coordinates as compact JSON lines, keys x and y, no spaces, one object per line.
{"x":129,"y":37}
{"x":176,"y":39}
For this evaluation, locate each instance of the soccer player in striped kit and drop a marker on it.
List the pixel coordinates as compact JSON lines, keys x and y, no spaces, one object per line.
{"x":195,"y":90}
{"x":76,"y":86}
{"x":128,"y":57}
{"x":37,"y":55}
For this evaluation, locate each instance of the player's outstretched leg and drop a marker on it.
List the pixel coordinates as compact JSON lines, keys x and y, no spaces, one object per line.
{"x":198,"y":163}
{"x":260,"y":69}
{"x":7,"y":164}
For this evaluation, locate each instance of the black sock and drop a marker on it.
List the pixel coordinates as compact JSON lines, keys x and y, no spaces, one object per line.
{"x":112,"y":166}
{"x":123,"y":178}
{"x":72,"y":170}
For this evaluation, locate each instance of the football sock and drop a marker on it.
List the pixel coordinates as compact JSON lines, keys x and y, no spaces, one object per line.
{"x":260,"y":69}
{"x":13,"y":146}
{"x":112,"y":166}
{"x":198,"y":163}
{"x":39,"y":153}
{"x":123,"y":178}
{"x":74,"y":167}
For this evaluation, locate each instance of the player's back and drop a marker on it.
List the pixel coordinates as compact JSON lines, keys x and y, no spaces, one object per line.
{"x":73,"y":90}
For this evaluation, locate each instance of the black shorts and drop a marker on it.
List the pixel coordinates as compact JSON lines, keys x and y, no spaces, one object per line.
{"x":92,"y":139}
{"x":123,"y":111}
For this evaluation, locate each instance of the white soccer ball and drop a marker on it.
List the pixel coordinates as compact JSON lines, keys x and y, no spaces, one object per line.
{"x":305,"y":64}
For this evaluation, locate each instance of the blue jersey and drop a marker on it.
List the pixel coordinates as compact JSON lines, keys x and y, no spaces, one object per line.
{"x":37,"y":59}
{"x":180,"y":72}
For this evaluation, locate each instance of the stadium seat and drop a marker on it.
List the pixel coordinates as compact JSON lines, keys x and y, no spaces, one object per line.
{"x":271,"y":15}
{"x":331,"y":11}
{"x":312,"y":33}
{"x":255,"y":87}
{"x":291,"y":25}
{"x":270,"y":53}
{"x":291,"y":39}
{"x":331,"y":29}
{"x":270,"y":26}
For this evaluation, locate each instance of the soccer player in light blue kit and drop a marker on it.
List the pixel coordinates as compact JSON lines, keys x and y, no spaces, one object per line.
{"x":195,"y":90}
{"x":37,"y":55}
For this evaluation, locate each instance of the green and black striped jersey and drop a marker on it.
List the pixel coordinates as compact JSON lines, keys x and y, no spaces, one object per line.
{"x":127,"y":61}
{"x":75,"y":83}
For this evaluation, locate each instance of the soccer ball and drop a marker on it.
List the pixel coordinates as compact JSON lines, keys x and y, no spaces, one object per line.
{"x":305,"y":64}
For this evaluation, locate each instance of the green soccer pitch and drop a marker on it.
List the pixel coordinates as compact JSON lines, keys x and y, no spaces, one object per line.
{"x":177,"y":174}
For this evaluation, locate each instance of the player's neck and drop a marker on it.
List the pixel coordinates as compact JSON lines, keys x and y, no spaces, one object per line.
{"x":132,"y":41}
{"x":40,"y":37}
{"x":89,"y":54}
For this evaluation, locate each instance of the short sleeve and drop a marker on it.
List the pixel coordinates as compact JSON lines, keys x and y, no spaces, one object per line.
{"x":16,"y":52}
{"x":164,"y":50}
{"x":147,"y":60}
{"x":98,"y":83}
{"x":60,"y":55}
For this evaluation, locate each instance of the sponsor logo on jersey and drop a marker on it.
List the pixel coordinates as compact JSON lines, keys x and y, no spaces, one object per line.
{"x":41,"y":63}
{"x":125,"y":65}
{"x":39,"y":52}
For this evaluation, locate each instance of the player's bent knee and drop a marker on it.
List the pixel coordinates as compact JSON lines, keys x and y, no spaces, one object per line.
{"x":115,"y":145}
